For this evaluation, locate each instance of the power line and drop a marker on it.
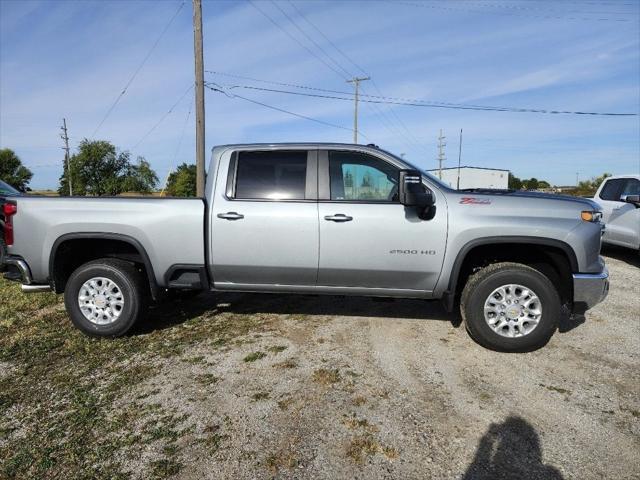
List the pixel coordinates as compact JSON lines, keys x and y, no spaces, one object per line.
{"x":409,"y":137}
{"x":165,"y":115}
{"x":175,"y":155}
{"x":322,"y":122}
{"x":135,"y":73}
{"x":376,"y":99}
{"x":479,"y":3}
{"x":327,"y":55}
{"x":514,"y":14}
{"x":292,"y":37}
{"x":319,"y":47}
{"x":184,"y":127}
{"x":305,"y":87}
{"x":328,"y":65}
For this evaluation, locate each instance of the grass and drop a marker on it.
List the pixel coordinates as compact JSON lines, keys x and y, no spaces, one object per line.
{"x":552,"y":388}
{"x":326,"y":376}
{"x":72,"y":407}
{"x":283,"y":459}
{"x":252,"y":357}
{"x":260,"y":396}
{"x":277,"y":348}
{"x":364,"y":446}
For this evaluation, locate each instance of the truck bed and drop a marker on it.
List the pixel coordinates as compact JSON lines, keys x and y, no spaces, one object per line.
{"x":170,"y":230}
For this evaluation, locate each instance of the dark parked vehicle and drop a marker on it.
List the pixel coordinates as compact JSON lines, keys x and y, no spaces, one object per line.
{"x":6,"y":190}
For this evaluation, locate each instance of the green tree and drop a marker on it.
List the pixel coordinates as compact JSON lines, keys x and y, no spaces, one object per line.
{"x":531,"y":184}
{"x":140,"y":178}
{"x":98,"y":169}
{"x":348,"y":180}
{"x":587,"y":188}
{"x":12,"y":171}
{"x":514,"y":182}
{"x":182,"y":181}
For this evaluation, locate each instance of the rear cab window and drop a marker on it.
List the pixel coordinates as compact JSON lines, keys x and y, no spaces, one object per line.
{"x":270,"y":175}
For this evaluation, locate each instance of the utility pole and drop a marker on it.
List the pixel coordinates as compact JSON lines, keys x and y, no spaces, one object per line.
{"x":441,"y":156}
{"x":577,"y":176}
{"x":356,"y":81}
{"x":199,"y":86}
{"x":459,"y":159}
{"x":65,"y":137}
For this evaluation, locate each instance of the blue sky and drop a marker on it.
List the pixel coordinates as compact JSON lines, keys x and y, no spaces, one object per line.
{"x":72,"y":58}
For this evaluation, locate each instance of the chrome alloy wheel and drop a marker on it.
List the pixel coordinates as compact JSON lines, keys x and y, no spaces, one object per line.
{"x":512,"y":310}
{"x":101,"y":300}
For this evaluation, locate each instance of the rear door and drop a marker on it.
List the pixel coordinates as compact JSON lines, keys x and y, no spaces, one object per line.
{"x":264,"y":220}
{"x":368,"y":240}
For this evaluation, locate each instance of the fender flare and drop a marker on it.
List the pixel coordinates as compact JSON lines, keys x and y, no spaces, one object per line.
{"x":449,"y":294}
{"x":153,"y":284}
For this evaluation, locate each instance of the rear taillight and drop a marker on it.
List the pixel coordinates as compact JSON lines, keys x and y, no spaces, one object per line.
{"x":9,"y":210}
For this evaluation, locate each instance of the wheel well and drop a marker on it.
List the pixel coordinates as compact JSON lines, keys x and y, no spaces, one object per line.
{"x":553,"y":262}
{"x":69,"y":254}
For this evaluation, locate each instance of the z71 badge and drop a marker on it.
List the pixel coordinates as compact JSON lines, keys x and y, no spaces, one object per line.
{"x":412,"y":252}
{"x":474,"y":201}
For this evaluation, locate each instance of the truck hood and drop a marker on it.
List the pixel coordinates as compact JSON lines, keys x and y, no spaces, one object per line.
{"x":586,"y":202}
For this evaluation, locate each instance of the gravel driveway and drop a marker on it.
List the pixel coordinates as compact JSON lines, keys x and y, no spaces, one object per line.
{"x":337,"y":387}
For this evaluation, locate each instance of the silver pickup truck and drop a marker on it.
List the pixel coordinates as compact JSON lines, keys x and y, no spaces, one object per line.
{"x":314,"y":218}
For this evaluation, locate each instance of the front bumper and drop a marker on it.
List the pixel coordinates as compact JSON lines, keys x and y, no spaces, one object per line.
{"x":589,"y":289}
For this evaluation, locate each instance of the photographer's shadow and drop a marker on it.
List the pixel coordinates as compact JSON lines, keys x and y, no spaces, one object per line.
{"x":510,"y":450}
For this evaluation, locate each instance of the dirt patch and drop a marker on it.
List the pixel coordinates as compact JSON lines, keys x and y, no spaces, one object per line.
{"x":258,"y":386}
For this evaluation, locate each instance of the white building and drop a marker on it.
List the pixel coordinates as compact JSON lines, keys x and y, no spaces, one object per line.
{"x":474,"y":177}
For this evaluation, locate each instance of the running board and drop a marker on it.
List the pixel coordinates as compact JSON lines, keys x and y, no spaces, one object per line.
{"x":35,"y":288}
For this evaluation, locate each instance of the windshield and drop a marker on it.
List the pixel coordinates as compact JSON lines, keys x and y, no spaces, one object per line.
{"x":7,"y":189}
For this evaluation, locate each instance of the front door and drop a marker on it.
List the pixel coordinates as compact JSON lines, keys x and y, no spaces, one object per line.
{"x":264,"y":220}
{"x":368,"y":240}
{"x":622,"y":219}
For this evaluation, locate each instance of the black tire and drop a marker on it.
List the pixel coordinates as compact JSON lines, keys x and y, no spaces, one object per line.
{"x":482,"y":283}
{"x":3,"y":249}
{"x":132,"y":284}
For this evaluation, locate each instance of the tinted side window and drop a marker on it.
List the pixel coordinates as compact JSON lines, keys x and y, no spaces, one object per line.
{"x":611,"y":189}
{"x":631,"y":187}
{"x":360,"y":177}
{"x":279,"y":175}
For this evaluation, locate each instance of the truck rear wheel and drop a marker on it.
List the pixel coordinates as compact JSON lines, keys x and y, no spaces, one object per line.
{"x":510,"y":307}
{"x":105,"y":297}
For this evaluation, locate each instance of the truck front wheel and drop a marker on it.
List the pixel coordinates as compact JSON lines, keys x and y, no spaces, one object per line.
{"x":510,"y":307}
{"x":105,"y":297}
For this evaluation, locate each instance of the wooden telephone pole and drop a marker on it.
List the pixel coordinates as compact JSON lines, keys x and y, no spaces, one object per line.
{"x":441,"y":155}
{"x":65,"y":137}
{"x":199,"y":86}
{"x":356,"y":81}
{"x":459,"y":160}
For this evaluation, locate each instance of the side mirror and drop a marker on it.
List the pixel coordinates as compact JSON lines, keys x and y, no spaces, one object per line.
{"x":634,"y":199}
{"x":413,"y":194}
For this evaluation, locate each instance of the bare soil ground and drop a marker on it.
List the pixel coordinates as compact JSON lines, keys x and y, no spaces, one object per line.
{"x":244,"y":386}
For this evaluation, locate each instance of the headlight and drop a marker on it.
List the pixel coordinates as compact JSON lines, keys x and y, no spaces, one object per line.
{"x":591,"y":216}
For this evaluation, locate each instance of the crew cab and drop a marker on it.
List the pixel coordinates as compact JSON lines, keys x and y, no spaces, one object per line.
{"x":311,"y":218}
{"x":619,"y":198}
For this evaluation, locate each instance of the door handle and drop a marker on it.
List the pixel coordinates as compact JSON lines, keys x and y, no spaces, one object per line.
{"x":338,"y":217}
{"x":230,"y":216}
